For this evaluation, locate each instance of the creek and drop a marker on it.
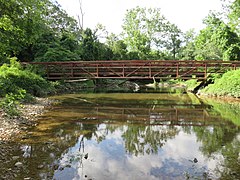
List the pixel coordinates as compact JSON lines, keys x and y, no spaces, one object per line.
{"x":129,"y":136}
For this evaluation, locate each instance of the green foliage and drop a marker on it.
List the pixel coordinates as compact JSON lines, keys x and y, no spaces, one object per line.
{"x":20,"y":24}
{"x":147,"y":29}
{"x":18,"y":85}
{"x":233,"y":15}
{"x":118,"y":47}
{"x":58,"y":54}
{"x":214,"y":76}
{"x":191,"y":84}
{"x":217,"y":41}
{"x":58,"y":20}
{"x":88,"y":45}
{"x":11,"y":101}
{"x":40,"y":30}
{"x":227,"y":85}
{"x":50,"y":47}
{"x":13,"y":79}
{"x":90,"y":48}
{"x":23,"y":24}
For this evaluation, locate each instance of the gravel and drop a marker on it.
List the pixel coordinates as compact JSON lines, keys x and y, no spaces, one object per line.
{"x":14,"y":126}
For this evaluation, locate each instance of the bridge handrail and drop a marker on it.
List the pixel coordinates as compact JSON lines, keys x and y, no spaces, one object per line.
{"x":136,"y":61}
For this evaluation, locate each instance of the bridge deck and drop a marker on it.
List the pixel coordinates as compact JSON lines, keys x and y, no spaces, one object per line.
{"x":134,"y":69}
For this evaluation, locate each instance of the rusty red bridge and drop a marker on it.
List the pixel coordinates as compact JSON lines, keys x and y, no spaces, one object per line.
{"x":134,"y":69}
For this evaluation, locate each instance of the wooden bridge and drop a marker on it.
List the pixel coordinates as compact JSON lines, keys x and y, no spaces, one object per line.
{"x":134,"y":69}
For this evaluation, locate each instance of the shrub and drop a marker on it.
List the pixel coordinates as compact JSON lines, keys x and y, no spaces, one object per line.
{"x":10,"y":102}
{"x":13,"y":78}
{"x":227,"y":85}
{"x":191,"y":84}
{"x":18,"y":85}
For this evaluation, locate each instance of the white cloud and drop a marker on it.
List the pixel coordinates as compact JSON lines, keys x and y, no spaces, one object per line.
{"x":107,"y":160}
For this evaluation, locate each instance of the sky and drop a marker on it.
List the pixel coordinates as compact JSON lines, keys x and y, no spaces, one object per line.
{"x":186,"y":14}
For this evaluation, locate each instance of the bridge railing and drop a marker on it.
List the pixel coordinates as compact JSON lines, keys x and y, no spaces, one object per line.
{"x":135,"y":69}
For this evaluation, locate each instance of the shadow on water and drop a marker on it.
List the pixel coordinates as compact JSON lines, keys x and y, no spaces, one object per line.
{"x":129,"y":136}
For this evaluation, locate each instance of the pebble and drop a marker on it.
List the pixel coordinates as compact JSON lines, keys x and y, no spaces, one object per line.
{"x":25,"y":137}
{"x":40,"y":166}
{"x":19,"y":164}
{"x":15,"y":157}
{"x":55,"y":166}
{"x":61,"y":168}
{"x":10,"y":127}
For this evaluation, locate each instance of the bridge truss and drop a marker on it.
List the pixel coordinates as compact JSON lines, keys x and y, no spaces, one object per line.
{"x":135,"y":69}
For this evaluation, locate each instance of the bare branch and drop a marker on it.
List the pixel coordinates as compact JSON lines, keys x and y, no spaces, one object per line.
{"x":80,"y":18}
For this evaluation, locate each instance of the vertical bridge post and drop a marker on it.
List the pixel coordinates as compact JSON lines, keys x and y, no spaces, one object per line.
{"x":205,"y":70}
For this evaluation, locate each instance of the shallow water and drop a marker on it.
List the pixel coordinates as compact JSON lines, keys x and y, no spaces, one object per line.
{"x":130,"y":136}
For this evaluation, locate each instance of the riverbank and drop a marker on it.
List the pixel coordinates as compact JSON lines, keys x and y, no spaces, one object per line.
{"x":12,"y":127}
{"x":16,"y":126}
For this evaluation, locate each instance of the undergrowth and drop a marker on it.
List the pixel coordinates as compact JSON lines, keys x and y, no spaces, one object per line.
{"x":18,"y":85}
{"x":227,"y":85}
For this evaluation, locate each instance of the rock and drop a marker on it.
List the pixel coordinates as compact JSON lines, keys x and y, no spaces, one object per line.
{"x":195,"y":160}
{"x":40,"y":166}
{"x":24,"y":137}
{"x":86,"y":156}
{"x":68,"y":166}
{"x":19,"y":164}
{"x":9,"y":127}
{"x":55,"y":166}
{"x":15,"y":157}
{"x":48,"y":142}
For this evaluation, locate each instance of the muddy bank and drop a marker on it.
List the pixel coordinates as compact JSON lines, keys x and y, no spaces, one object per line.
{"x":13,"y":127}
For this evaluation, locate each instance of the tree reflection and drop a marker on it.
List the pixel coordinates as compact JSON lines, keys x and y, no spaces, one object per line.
{"x":230,"y":165}
{"x":214,"y":138}
{"x":147,"y":139}
{"x":222,"y":140}
{"x":144,"y":128}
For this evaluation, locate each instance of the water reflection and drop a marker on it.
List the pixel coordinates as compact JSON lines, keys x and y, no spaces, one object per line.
{"x":108,"y":160}
{"x":131,"y":136}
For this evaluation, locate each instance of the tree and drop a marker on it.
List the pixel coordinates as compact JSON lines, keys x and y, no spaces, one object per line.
{"x":171,"y":39}
{"x":23,"y":23}
{"x":53,"y":48}
{"x":233,"y":10}
{"x":147,"y":30}
{"x":217,"y":41}
{"x":88,"y":45}
{"x":80,"y":18}
{"x":188,"y":49}
{"x":58,"y":20}
{"x":138,"y":30}
{"x":11,"y":32}
{"x":118,"y":47}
